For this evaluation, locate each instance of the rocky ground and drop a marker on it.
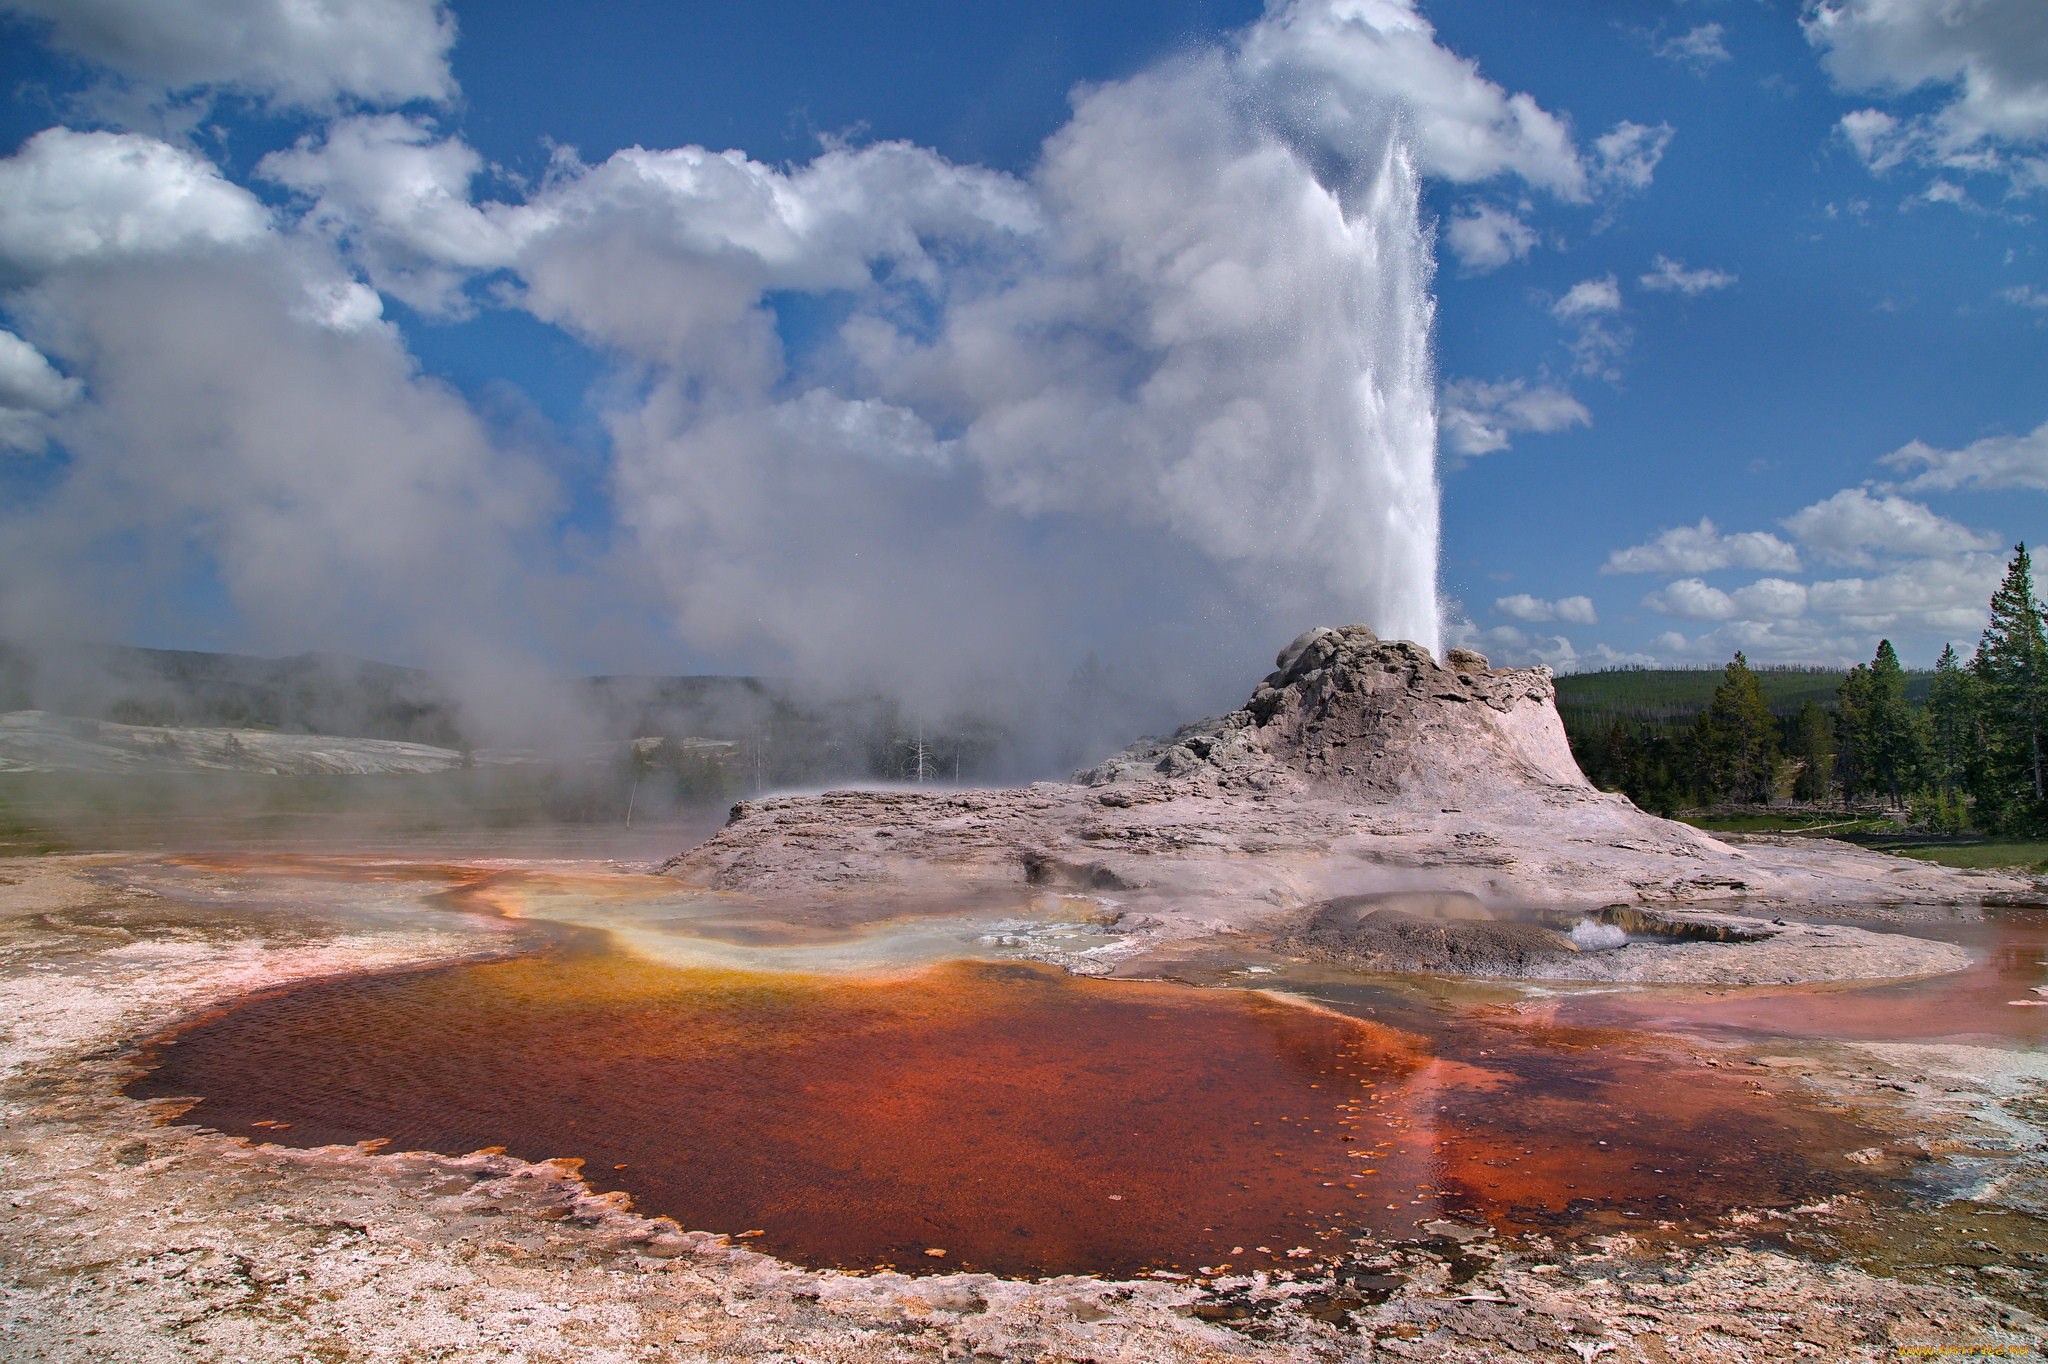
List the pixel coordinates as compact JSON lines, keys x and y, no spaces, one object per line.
{"x":1667,"y":946}
{"x":1360,"y":766}
{"x":128,"y":1237}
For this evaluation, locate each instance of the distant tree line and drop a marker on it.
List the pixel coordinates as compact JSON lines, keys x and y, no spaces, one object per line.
{"x":1972,"y":757}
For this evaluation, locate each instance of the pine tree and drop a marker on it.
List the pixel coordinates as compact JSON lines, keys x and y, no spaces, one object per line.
{"x":1891,"y":732}
{"x":1953,"y":741}
{"x":1736,"y":738}
{"x":1852,"y":713}
{"x":1814,"y":748}
{"x":2011,"y":668}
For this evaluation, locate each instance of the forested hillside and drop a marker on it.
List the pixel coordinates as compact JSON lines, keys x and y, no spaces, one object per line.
{"x":1963,"y":746}
{"x":1590,"y":702}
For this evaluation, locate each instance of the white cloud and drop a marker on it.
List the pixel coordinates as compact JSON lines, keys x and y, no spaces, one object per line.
{"x":1845,"y":529}
{"x":2025,"y":296}
{"x":1877,"y":138}
{"x":1598,"y":341}
{"x":1940,"y":191}
{"x":1702,"y":549}
{"x":1483,"y":237}
{"x":1946,"y":595}
{"x":1698,"y":48}
{"x":28,"y":381}
{"x":1763,"y":600}
{"x":1770,"y":599}
{"x":1989,"y":57}
{"x":1332,"y":64}
{"x":1627,"y":156}
{"x":1764,"y":642}
{"x":31,"y":390}
{"x":1478,"y":417}
{"x":1669,"y":276}
{"x":1507,"y":647}
{"x":405,"y":195}
{"x":1692,"y":599}
{"x":865,"y":428}
{"x":286,"y":51}
{"x":1993,"y":462}
{"x":1571,"y":610}
{"x":1588,"y":296}
{"x":69,"y":196}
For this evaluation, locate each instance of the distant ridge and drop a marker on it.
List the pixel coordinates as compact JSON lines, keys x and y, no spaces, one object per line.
{"x":785,"y":734}
{"x":310,"y":693}
{"x":1675,"y":696}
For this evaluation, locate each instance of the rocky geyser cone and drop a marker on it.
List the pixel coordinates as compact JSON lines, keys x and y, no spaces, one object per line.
{"x":1365,"y":720}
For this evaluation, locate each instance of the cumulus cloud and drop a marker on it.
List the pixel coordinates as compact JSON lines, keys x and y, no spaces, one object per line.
{"x":1770,"y":599}
{"x":285,"y":51}
{"x":399,"y":195}
{"x":1597,"y":340}
{"x":1692,"y":599}
{"x":1670,"y":276}
{"x":1589,"y":296}
{"x":1698,"y":48}
{"x":1483,"y":237}
{"x":70,"y":196}
{"x":1626,"y":157}
{"x":1989,"y":58}
{"x":1478,"y":417}
{"x":1845,"y":529}
{"x":31,"y":390}
{"x":1802,"y":641}
{"x":1990,"y":463}
{"x":1763,"y":600}
{"x":1945,"y":595}
{"x":1571,"y":610}
{"x":1702,"y":549}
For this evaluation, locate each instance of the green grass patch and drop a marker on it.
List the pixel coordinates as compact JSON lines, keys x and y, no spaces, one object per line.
{"x":2010,"y":853}
{"x":22,"y":838}
{"x":1764,"y":822}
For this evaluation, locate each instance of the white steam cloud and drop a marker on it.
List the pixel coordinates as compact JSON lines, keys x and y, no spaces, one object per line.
{"x":1168,"y":395}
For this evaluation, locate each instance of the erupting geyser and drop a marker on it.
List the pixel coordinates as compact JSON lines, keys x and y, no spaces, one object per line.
{"x":1189,"y":353}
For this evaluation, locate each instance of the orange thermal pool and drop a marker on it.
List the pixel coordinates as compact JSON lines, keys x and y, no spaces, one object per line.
{"x":1022,"y":1120}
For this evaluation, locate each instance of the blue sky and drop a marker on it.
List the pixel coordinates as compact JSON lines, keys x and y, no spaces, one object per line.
{"x":941,"y":346}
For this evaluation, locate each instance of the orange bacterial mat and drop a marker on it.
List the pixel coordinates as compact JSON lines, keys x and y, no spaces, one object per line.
{"x":1020,"y":1120}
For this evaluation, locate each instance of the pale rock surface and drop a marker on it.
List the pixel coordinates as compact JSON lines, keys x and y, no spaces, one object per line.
{"x":131,"y":1238}
{"x":1360,"y":766}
